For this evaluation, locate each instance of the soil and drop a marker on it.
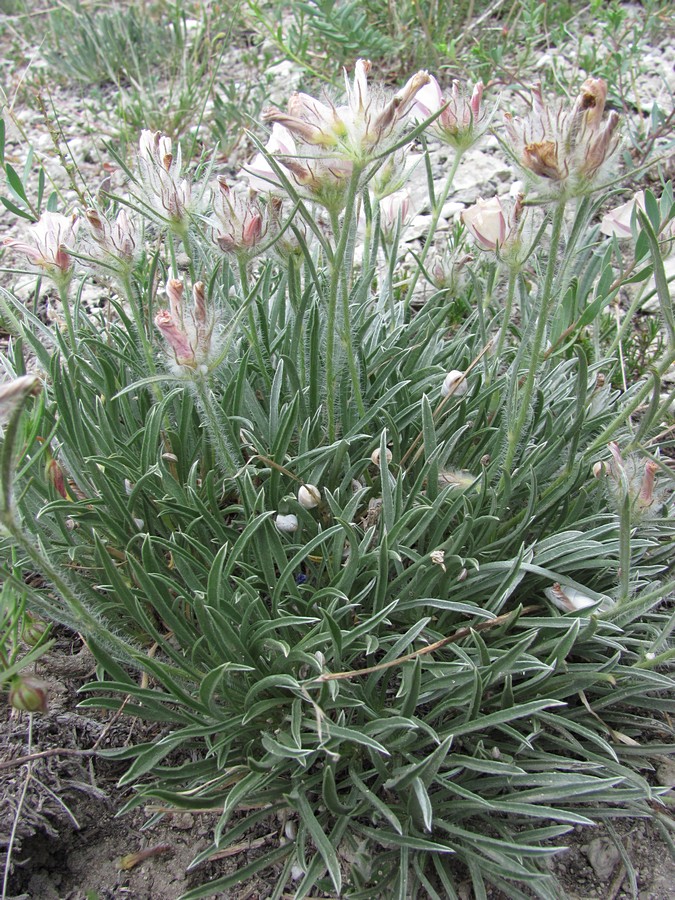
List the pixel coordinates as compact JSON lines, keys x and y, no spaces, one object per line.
{"x":59,"y":813}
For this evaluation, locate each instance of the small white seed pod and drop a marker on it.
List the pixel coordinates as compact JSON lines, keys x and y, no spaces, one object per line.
{"x":454,"y":383}
{"x":286,"y":524}
{"x":569,"y":599}
{"x":375,"y":456}
{"x":309,"y":496}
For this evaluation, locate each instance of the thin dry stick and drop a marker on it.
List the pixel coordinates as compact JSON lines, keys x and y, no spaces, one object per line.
{"x":431,"y":648}
{"x":17,"y":813}
{"x":244,"y":845}
{"x":43,"y":754}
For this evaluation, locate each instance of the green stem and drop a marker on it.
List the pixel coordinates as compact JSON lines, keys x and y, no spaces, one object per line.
{"x":609,"y":433}
{"x":215,"y":426}
{"x":435,"y":216}
{"x":139,"y":321}
{"x":63,"y":286}
{"x":339,"y":279}
{"x":624,"y":548}
{"x":506,"y":318}
{"x":544,"y":303}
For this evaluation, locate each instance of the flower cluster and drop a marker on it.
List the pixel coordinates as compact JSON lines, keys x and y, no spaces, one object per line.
{"x":318,"y":145}
{"x":51,"y":237}
{"x":240,"y":224}
{"x":189,"y":333}
{"x":116,"y":243}
{"x":167,"y":192}
{"x":631,"y":477}
{"x":564,"y":149}
{"x":460,"y":119}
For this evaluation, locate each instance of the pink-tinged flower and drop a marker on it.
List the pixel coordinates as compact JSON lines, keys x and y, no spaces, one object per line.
{"x":486,"y":222}
{"x":116,"y":241}
{"x":569,"y":599}
{"x":50,"y":236}
{"x":240,"y":222}
{"x":160,"y":170}
{"x":617,"y":222}
{"x":646,"y":495}
{"x":189,"y":333}
{"x":566,"y":148}
{"x":366,"y":123}
{"x":497,"y":226}
{"x":394,"y":210}
{"x":315,"y":176}
{"x":630,"y":477}
{"x":462,"y":120}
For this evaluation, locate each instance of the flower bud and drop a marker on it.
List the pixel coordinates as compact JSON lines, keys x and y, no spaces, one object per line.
{"x":375,"y":456}
{"x":28,"y":693}
{"x":309,"y":496}
{"x":286,"y":524}
{"x":33,"y":630}
{"x":454,"y":383}
{"x":486,"y":222}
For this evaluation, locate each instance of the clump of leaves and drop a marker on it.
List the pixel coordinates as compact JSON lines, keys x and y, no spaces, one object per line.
{"x":377,"y":577}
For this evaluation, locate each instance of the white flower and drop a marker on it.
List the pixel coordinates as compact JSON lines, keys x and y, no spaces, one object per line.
{"x":486,"y":221}
{"x":375,"y":456}
{"x":438,"y":558}
{"x":50,"y":237}
{"x":454,"y":383}
{"x":286,"y":524}
{"x":160,"y":171}
{"x":617,"y":222}
{"x":309,"y":496}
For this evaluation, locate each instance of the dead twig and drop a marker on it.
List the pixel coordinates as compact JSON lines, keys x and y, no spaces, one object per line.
{"x":43,"y":754}
{"x":431,"y":648}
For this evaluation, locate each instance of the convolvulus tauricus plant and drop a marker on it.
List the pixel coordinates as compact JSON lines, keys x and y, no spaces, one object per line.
{"x":393,"y":577}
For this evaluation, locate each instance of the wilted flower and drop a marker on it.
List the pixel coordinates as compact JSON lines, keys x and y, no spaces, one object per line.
{"x":456,"y":478}
{"x":462,"y":120}
{"x":188,"y":333}
{"x":241,"y":222}
{"x":51,"y":235}
{"x":569,"y":599}
{"x":13,"y":393}
{"x":28,"y":693}
{"x":309,"y":496}
{"x":116,"y":241}
{"x":438,"y":558}
{"x":565,"y":147}
{"x":286,"y":524}
{"x":160,"y":170}
{"x":454,"y":383}
{"x":366,"y":124}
